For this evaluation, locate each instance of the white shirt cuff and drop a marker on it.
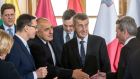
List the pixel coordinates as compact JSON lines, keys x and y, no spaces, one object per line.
{"x":35,"y":75}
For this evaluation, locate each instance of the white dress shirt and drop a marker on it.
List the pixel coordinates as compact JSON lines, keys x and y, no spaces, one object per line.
{"x":71,"y":34}
{"x":12,"y":29}
{"x":85,"y":44}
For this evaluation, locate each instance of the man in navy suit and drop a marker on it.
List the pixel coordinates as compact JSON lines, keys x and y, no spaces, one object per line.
{"x":8,"y":18}
{"x":65,"y":32}
{"x":20,"y":53}
{"x":86,"y":52}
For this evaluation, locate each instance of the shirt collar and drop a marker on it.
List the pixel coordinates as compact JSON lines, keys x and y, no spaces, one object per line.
{"x":71,"y":33}
{"x":6,"y":27}
{"x":43,"y":41}
{"x":24,"y":42}
{"x":129,"y":39}
{"x":85,"y":39}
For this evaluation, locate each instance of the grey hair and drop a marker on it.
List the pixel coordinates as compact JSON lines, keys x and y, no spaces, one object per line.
{"x":127,"y":23}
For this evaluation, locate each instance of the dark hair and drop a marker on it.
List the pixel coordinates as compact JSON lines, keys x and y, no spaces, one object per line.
{"x":23,"y":20}
{"x":68,"y":14}
{"x":79,"y":16}
{"x":7,"y":6}
{"x":127,"y":23}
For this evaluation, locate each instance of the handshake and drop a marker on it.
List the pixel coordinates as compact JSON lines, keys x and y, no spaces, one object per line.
{"x":79,"y":74}
{"x":99,"y":75}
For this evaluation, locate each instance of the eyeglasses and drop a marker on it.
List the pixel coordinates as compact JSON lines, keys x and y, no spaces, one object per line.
{"x":36,"y":27}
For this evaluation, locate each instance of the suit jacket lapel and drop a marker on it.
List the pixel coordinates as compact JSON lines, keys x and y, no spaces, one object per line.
{"x":61,"y":36}
{"x":91,"y":56}
{"x":47,"y":49}
{"x":76,"y":51}
{"x":25,"y":50}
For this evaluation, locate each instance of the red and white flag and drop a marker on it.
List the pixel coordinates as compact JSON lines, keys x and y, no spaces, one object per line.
{"x":106,"y":28}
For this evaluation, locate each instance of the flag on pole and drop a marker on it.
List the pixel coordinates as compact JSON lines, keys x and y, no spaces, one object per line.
{"x":77,"y":5}
{"x":133,"y":10}
{"x":106,"y":27}
{"x":15,"y":3}
{"x":44,"y":9}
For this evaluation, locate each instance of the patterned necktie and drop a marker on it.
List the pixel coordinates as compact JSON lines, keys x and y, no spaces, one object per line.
{"x":10,"y":31}
{"x":67,"y":37}
{"x":82,"y":51}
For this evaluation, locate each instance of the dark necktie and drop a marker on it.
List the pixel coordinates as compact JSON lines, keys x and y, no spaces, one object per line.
{"x":10,"y":32}
{"x":67,"y":37}
{"x":82,"y":51}
{"x":49,"y":51}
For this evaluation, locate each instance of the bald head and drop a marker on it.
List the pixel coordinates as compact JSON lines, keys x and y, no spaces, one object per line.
{"x":42,"y":22}
{"x":45,"y":29}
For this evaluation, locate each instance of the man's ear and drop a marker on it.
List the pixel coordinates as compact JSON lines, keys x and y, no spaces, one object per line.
{"x":26,"y":28}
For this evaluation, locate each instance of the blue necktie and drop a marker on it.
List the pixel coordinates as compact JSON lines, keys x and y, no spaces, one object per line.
{"x":28,"y":49}
{"x":10,"y":32}
{"x":82,"y":50}
{"x":67,"y":37}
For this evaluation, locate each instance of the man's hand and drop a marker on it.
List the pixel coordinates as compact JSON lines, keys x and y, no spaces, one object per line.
{"x":79,"y":74}
{"x":99,"y":75}
{"x":41,"y":72}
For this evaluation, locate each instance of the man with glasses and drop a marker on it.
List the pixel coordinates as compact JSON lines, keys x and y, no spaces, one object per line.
{"x":8,"y":18}
{"x":20,"y":54}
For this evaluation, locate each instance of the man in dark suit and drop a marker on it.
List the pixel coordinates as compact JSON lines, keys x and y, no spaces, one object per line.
{"x":86,"y":52}
{"x":133,"y":67}
{"x":45,"y":52}
{"x":20,"y":53}
{"x":126,"y":32}
{"x":8,"y":18}
{"x":65,"y":32}
{"x":138,"y":33}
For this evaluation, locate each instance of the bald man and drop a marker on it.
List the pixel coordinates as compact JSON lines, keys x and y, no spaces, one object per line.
{"x":45,"y":52}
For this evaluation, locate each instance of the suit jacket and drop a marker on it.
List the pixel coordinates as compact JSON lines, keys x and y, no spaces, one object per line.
{"x":130,"y":48}
{"x":8,"y":71}
{"x":21,"y":58}
{"x":58,"y":37}
{"x":43,"y":57}
{"x":96,"y":56}
{"x":138,"y":33}
{"x":133,"y":68}
{"x":2,"y":27}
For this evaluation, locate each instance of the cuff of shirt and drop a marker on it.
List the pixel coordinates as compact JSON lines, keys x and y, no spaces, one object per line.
{"x":35,"y":75}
